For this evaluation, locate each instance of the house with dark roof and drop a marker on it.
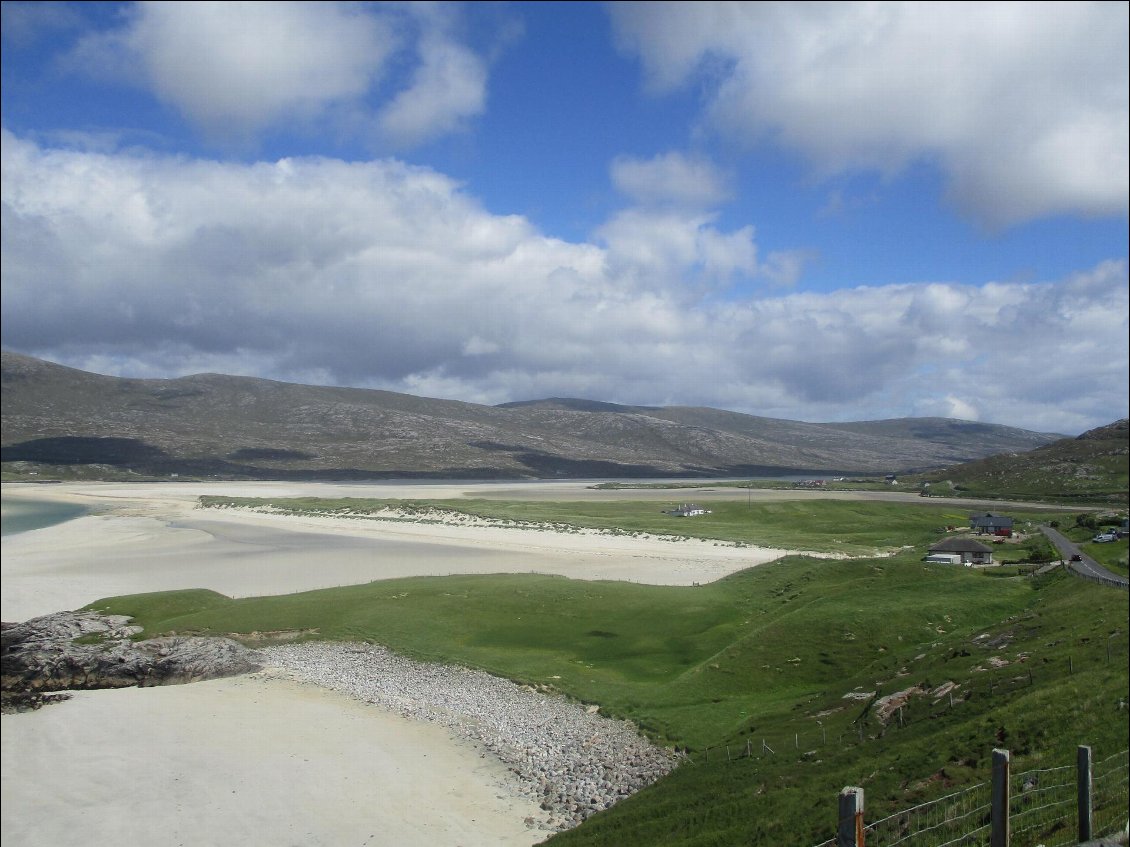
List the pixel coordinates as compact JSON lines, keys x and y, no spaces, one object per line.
{"x":990,"y":524}
{"x":971,"y":551}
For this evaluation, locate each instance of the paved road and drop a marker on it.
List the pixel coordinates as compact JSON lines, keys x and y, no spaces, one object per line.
{"x":1087,"y":566}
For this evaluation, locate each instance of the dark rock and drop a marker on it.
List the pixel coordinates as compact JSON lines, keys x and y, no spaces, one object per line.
{"x":43,"y":655}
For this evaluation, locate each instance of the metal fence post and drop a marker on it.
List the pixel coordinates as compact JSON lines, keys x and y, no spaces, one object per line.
{"x":850,"y":831}
{"x":1083,"y":777}
{"x":999,"y":836}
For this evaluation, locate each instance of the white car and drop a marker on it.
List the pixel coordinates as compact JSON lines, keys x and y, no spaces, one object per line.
{"x":1104,"y":537}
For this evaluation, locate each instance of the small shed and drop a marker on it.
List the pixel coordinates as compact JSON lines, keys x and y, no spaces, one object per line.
{"x":972,"y":552}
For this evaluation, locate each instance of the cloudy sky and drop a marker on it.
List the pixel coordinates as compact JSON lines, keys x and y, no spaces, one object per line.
{"x":812,"y":211}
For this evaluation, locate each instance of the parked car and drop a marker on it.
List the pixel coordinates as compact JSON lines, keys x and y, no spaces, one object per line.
{"x":1104,"y":537}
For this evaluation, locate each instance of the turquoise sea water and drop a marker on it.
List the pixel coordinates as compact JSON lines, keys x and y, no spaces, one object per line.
{"x":23,"y":515}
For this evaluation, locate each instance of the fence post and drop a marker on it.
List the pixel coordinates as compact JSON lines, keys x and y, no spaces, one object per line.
{"x":1083,"y":778}
{"x":999,"y":814}
{"x":850,"y":831}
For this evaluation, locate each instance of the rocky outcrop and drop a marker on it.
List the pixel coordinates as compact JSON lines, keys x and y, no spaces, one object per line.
{"x":83,"y":650}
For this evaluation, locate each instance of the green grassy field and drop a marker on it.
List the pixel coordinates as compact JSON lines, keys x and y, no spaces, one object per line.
{"x":850,"y":527}
{"x":760,"y":660}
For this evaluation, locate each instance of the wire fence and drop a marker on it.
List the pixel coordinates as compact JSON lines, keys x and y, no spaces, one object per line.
{"x":1050,"y":807}
{"x":1112,"y":792}
{"x":1112,"y":582}
{"x":956,"y":820}
{"x":1043,"y":807}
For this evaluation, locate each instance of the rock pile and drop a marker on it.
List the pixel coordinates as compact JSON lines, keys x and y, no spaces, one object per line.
{"x":568,"y":758}
{"x":41,"y":655}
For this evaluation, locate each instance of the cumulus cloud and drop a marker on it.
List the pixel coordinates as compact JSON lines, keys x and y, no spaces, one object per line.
{"x":237,"y":70}
{"x":670,"y":227}
{"x":661,"y":248}
{"x":448,"y":87}
{"x":1024,"y":106}
{"x":671,"y":179}
{"x":386,"y":275}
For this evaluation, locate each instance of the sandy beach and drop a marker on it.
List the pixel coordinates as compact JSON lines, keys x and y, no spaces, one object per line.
{"x":261,"y":760}
{"x":153,"y":537}
{"x":251,"y":760}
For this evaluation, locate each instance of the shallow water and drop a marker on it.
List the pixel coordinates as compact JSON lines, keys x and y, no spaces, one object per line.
{"x":23,"y":515}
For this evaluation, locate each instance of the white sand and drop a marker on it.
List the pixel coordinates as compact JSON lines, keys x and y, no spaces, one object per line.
{"x":243,"y":762}
{"x":257,"y":761}
{"x":153,"y":538}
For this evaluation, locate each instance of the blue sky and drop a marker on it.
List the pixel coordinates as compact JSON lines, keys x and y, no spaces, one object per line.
{"x":810,"y":211}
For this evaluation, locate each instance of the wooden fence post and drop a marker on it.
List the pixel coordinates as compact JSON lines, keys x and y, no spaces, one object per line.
{"x":850,"y":831}
{"x":999,"y":836}
{"x":1083,"y":781}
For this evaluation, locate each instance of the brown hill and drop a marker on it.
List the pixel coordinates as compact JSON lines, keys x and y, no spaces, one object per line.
{"x":62,"y":421}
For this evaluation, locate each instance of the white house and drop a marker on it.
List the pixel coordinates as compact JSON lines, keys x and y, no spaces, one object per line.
{"x":689,"y":510}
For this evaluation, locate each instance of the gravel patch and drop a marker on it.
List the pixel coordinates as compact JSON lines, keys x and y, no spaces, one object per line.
{"x":568,"y":758}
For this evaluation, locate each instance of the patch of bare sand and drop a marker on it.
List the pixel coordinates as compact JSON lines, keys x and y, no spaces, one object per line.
{"x":248,"y":761}
{"x":145,"y":538}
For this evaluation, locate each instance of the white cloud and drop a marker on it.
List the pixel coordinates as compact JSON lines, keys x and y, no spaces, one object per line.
{"x":1023,"y":105}
{"x":449,"y":87}
{"x":955,"y":407}
{"x":387,"y":275}
{"x":784,"y":267}
{"x":241,"y":67}
{"x":238,"y":70}
{"x":671,"y":179}
{"x":659,"y":248}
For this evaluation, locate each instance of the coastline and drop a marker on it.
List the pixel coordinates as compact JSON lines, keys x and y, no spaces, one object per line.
{"x":266,"y":758}
{"x":152,"y":537}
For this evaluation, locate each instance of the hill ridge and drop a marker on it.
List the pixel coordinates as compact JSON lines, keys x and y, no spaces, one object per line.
{"x":62,"y":419}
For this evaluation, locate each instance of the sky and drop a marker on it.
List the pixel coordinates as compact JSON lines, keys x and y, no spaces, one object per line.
{"x":811,"y":211}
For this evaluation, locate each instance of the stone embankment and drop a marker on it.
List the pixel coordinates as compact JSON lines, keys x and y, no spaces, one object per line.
{"x":567,"y":757}
{"x":83,"y":650}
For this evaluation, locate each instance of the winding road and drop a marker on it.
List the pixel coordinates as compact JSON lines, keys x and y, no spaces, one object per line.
{"x":1086,"y":566}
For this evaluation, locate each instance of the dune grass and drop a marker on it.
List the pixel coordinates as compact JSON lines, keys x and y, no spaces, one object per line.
{"x":790,"y":657}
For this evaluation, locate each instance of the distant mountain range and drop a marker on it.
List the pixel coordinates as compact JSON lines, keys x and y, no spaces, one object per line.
{"x":59,"y":421}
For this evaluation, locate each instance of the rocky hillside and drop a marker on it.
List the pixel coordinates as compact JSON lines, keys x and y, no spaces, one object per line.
{"x":58,"y":421}
{"x":1094,"y":466}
